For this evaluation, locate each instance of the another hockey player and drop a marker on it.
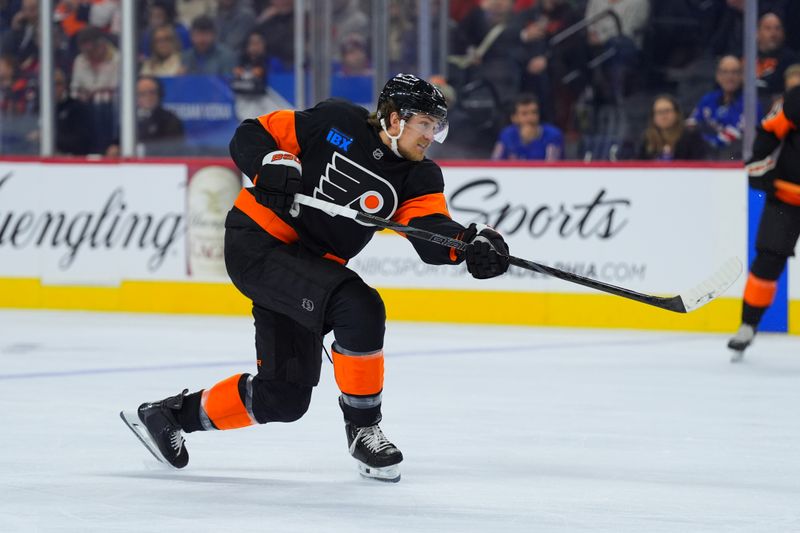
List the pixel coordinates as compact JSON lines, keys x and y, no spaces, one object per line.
{"x":293,"y":267}
{"x":779,"y":227}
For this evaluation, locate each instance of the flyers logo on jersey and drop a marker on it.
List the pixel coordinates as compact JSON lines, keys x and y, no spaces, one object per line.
{"x":347,"y":183}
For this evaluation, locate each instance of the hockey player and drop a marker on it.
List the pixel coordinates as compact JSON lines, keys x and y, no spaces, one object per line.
{"x":779,"y":227}
{"x":294,"y":269}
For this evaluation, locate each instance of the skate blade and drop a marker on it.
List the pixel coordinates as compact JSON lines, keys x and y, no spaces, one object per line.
{"x":387,"y":474}
{"x":132,"y":421}
{"x":737,"y":356}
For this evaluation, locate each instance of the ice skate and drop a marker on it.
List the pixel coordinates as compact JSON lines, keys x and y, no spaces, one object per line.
{"x":155,"y":425}
{"x":377,"y":457}
{"x":739,"y":342}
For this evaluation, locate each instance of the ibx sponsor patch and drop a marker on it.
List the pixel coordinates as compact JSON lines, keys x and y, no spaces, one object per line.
{"x":339,"y":139}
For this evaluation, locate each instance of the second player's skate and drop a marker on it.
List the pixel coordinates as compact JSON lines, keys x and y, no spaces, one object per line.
{"x":739,"y":342}
{"x":377,"y":457}
{"x":156,"y":427}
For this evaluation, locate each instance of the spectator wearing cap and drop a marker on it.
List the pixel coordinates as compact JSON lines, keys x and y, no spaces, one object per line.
{"x":206,"y":56}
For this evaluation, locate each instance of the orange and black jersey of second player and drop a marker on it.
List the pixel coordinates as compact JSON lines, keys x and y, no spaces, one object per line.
{"x":346,"y":163}
{"x":780,"y":128}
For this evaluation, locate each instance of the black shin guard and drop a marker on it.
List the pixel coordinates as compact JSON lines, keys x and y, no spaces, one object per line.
{"x":768,"y":265}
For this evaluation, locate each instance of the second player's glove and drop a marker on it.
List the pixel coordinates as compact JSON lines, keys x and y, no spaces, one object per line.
{"x":761,"y":174}
{"x":278,"y":180}
{"x":487,"y":253}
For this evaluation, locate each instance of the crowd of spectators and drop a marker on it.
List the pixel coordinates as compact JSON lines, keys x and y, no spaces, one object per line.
{"x":597,"y":68}
{"x":528,"y":79}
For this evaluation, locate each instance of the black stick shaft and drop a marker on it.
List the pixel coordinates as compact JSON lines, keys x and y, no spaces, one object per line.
{"x":673,"y":303}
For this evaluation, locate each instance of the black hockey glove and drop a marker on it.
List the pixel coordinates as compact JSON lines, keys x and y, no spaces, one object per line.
{"x":278,"y":180}
{"x":487,"y":253}
{"x":761,"y":174}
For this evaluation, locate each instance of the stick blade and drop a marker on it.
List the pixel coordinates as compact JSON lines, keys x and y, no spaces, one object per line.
{"x":713,"y":287}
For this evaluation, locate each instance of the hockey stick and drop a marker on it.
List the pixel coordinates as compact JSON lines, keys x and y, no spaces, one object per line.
{"x":683,"y":302}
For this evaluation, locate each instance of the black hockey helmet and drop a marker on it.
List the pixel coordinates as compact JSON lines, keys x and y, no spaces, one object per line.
{"x":412,"y":95}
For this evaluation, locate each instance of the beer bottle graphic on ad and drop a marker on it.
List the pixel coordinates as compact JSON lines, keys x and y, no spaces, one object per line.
{"x":212,"y":191}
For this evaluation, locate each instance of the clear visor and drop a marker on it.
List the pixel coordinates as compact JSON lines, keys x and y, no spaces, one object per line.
{"x":426,"y":124}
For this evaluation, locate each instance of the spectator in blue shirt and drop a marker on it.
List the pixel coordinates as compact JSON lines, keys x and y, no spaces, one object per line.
{"x":719,"y":116}
{"x":527,"y":138}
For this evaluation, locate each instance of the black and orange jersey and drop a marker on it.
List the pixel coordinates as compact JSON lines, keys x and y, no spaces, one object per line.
{"x":346,"y":163}
{"x":780,"y":128}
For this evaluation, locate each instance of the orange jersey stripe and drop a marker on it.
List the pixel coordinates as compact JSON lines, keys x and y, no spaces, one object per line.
{"x":224,"y":406}
{"x":787,"y":192}
{"x":280,"y":124}
{"x":778,"y":124}
{"x":759,"y":292}
{"x":335,"y":258}
{"x":359,"y":375}
{"x":269,"y":222}
{"x":265,"y":217}
{"x":420,"y":206}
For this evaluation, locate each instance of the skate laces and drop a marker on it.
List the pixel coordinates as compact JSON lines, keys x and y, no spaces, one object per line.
{"x":373,"y":438}
{"x":176,"y":440}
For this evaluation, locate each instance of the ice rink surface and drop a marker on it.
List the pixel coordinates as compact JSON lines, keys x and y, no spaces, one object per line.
{"x":502,"y":428}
